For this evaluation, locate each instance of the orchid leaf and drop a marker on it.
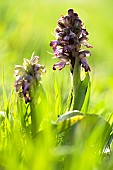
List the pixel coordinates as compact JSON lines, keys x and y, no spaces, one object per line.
{"x":81,"y":93}
{"x":66,"y":120}
{"x":91,"y":128}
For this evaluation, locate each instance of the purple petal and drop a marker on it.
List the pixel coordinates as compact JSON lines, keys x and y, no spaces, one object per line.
{"x":26,"y":86}
{"x":70,"y":12}
{"x":83,"y":40}
{"x":84,"y":53}
{"x":59,"y":65}
{"x":84,"y":32}
{"x":66,"y":38}
{"x":53,"y":43}
{"x":77,"y":23}
{"x":56,"y":51}
{"x":87,"y":45}
{"x":85,"y":64}
{"x":63,"y":58}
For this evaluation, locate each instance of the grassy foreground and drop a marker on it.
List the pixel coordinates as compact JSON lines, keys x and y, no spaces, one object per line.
{"x":78,"y":139}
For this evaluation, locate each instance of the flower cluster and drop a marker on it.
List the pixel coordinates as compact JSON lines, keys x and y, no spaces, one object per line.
{"x":70,"y":37}
{"x":26,"y":75}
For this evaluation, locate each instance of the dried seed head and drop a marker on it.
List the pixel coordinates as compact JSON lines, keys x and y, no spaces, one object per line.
{"x":71,"y":36}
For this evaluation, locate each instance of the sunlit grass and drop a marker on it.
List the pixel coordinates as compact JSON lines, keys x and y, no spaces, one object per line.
{"x":27,"y":27}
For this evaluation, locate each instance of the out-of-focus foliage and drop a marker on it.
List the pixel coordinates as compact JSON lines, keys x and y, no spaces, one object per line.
{"x":27,"y":26}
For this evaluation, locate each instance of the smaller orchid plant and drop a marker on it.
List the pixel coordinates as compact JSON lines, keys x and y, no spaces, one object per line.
{"x":27,"y":74}
{"x":29,"y":87}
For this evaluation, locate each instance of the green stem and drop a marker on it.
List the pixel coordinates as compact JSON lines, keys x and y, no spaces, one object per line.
{"x":33,"y":112}
{"x":38,"y":102}
{"x":76,"y":79}
{"x":34,"y":124}
{"x":35,"y":108}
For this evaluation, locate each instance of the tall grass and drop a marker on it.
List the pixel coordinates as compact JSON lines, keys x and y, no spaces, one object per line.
{"x":61,"y":142}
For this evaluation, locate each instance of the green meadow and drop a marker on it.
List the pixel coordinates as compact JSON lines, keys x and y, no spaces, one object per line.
{"x":58,"y":143}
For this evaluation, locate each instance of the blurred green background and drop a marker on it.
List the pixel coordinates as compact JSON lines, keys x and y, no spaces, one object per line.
{"x":27,"y":26}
